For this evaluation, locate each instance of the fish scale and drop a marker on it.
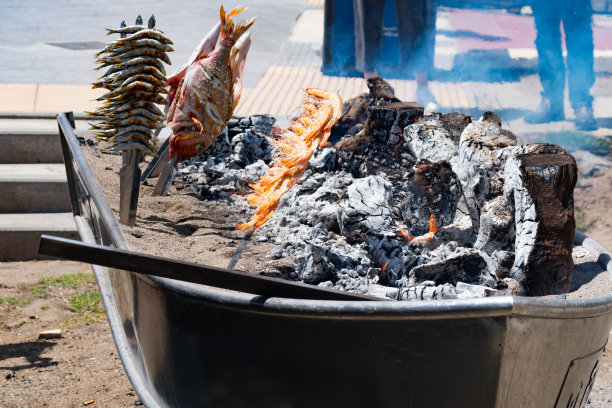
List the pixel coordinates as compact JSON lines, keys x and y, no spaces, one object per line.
{"x":136,"y":82}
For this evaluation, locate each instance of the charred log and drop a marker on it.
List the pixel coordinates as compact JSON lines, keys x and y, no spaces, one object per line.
{"x":480,"y":168}
{"x":540,"y":185}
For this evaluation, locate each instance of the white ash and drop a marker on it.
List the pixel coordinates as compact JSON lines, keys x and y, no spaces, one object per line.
{"x":429,"y":141}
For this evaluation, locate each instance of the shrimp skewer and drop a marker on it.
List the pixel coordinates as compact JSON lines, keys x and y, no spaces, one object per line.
{"x":319,"y":111}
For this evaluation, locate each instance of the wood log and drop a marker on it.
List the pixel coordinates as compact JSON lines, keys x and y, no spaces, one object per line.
{"x":540,"y":185}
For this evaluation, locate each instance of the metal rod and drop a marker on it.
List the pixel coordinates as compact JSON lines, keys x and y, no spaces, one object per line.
{"x":166,"y":177}
{"x":187,"y":271}
{"x":154,"y":167}
{"x":241,"y":248}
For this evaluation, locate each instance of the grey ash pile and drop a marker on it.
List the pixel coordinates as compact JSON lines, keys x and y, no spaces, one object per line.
{"x":504,"y":213}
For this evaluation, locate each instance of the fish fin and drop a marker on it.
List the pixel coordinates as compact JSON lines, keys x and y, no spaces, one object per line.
{"x":239,"y":53}
{"x":231,"y":30}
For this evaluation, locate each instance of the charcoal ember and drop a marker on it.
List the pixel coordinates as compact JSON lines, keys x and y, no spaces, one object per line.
{"x":427,"y":140}
{"x":323,"y":160}
{"x":380,"y":145}
{"x":427,"y":291}
{"x":355,"y":111}
{"x":496,"y":230}
{"x":262,"y":124}
{"x":509,"y":287}
{"x":248,"y":147}
{"x":429,"y":189}
{"x":502,"y":262}
{"x":464,"y":265}
{"x":354,"y":115}
{"x":316,"y":200}
{"x":454,"y":124}
{"x":480,"y":168}
{"x":365,"y":209}
{"x":540,"y":184}
{"x":469,"y":291}
{"x":317,"y":267}
{"x":380,"y":91}
{"x":389,"y":252}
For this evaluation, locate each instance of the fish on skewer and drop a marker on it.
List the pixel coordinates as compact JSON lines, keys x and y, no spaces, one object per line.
{"x":209,"y":88}
{"x":136,"y":82}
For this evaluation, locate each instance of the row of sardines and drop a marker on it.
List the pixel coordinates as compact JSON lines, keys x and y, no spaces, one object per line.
{"x":135,"y":80}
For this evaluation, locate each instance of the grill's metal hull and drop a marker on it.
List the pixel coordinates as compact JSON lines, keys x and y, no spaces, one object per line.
{"x":188,"y":345}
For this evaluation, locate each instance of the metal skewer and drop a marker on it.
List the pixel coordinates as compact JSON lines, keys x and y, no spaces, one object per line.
{"x":129,"y":186}
{"x":241,"y":248}
{"x":129,"y":178}
{"x":166,"y":177}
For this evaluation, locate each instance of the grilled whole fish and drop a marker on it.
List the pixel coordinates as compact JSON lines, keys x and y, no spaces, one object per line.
{"x":210,"y":89}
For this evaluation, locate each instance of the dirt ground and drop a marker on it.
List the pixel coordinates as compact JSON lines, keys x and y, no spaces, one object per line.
{"x":82,"y":367}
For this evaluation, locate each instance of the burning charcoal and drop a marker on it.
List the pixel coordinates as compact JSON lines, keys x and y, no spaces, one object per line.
{"x":496,"y":226}
{"x":249,"y":147}
{"x":480,"y":168}
{"x":540,"y":184}
{"x":429,"y":141}
{"x":465,"y":265}
{"x":430,"y":189}
{"x":428,"y":291}
{"x":392,"y":255}
{"x":365,"y":210}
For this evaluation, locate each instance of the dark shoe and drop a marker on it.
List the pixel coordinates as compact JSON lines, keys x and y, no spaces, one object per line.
{"x":584,"y":119}
{"x":545,"y":113}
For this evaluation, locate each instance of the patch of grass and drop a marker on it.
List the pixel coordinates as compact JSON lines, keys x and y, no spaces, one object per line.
{"x":13,"y":302}
{"x":87,"y":302}
{"x":582,"y":220}
{"x":82,"y":319}
{"x":38,"y":291}
{"x":70,"y":281}
{"x":44,"y":307}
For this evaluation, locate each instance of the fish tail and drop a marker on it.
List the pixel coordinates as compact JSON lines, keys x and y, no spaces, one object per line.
{"x":231,"y":30}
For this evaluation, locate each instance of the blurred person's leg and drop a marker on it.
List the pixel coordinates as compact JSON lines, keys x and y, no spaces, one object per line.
{"x":416,"y":21}
{"x":368,"y":34}
{"x":580,"y":74}
{"x":551,"y":68}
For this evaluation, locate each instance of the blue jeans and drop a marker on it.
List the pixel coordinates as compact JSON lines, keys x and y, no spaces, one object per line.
{"x":576,"y":18}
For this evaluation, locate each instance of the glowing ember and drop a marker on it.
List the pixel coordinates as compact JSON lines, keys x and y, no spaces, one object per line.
{"x":422,"y":238}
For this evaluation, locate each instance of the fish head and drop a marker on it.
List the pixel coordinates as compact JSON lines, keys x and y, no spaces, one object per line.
{"x":185,"y":144}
